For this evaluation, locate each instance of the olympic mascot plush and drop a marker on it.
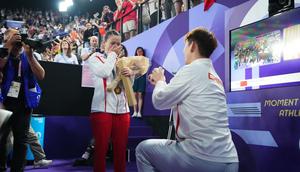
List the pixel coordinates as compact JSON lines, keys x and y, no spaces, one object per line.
{"x":139,"y":64}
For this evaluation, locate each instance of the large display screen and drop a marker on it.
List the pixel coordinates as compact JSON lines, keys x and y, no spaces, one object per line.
{"x":266,"y":54}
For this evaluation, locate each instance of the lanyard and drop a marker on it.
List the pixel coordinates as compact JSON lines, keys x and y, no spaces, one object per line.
{"x":20,"y":69}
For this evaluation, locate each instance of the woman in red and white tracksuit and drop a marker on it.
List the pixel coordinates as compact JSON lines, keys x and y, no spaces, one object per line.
{"x":110,"y":116}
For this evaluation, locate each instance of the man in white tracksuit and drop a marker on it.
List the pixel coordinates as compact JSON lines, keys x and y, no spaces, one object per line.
{"x":196,"y":95}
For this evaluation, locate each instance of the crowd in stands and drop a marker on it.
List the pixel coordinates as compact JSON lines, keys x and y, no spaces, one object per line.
{"x":75,"y":31}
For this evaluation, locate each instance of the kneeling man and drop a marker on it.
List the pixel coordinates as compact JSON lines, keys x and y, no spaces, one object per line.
{"x":196,"y":95}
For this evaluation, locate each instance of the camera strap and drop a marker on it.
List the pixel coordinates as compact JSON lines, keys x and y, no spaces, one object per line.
{"x":20,"y":69}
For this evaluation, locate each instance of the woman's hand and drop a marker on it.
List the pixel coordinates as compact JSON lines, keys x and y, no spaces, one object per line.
{"x":126,"y":71}
{"x":116,"y":48}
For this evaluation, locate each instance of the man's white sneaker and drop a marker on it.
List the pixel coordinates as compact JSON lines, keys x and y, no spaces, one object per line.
{"x":42,"y":163}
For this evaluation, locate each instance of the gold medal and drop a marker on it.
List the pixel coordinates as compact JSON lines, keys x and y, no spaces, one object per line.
{"x":118,"y":90}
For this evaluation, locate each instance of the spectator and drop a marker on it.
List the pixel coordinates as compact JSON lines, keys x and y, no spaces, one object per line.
{"x":47,"y":55}
{"x":107,"y":17}
{"x":87,"y":52}
{"x":153,"y":8}
{"x":129,"y":21}
{"x":75,"y":36}
{"x":146,"y":19}
{"x":182,"y":5}
{"x":87,"y":34}
{"x":117,"y":17}
{"x":65,"y":55}
{"x":167,"y":9}
{"x":139,"y":87}
{"x":178,"y":6}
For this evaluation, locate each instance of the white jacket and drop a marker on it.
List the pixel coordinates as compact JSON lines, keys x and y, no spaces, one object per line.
{"x":103,"y":101}
{"x":197,"y":97}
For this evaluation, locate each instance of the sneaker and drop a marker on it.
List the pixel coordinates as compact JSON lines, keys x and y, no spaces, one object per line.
{"x":139,"y":115}
{"x":134,"y":114}
{"x":42,"y":163}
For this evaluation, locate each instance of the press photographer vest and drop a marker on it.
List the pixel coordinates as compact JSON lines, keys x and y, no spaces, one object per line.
{"x":32,"y":98}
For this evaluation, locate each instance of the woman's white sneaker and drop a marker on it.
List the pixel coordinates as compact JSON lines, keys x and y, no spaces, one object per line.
{"x":139,"y":115}
{"x":134,"y":114}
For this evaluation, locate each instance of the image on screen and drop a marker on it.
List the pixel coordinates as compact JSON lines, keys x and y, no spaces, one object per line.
{"x":266,"y":54}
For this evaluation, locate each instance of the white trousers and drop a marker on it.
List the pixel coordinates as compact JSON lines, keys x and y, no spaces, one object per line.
{"x":168,"y":156}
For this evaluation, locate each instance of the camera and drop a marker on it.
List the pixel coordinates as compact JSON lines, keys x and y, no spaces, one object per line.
{"x":38,"y":45}
{"x":98,"y":50}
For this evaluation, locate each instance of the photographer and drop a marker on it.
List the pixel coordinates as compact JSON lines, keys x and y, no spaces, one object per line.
{"x":87,"y":52}
{"x":87,"y":33}
{"x":19,"y":94}
{"x":107,"y":17}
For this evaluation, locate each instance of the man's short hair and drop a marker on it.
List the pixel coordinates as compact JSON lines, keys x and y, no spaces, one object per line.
{"x":93,"y":37}
{"x":205,"y":40}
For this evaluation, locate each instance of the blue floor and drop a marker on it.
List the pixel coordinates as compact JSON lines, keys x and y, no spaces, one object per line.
{"x":66,"y":165}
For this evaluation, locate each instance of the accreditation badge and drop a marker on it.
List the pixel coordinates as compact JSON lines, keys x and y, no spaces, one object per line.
{"x":14,"y":89}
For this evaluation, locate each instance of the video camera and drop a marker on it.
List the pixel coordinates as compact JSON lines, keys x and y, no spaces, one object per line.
{"x":98,"y":50}
{"x":38,"y":45}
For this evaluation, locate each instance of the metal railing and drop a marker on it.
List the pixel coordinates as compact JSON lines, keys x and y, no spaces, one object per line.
{"x":139,"y":9}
